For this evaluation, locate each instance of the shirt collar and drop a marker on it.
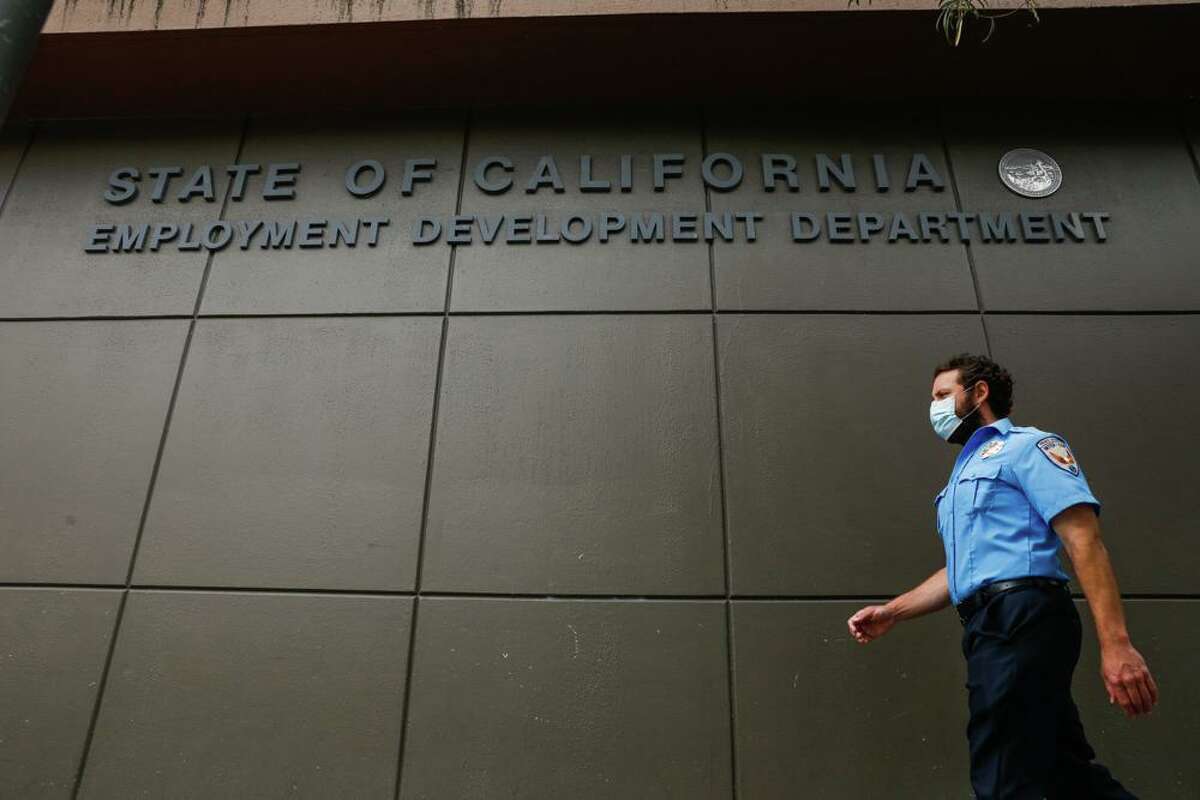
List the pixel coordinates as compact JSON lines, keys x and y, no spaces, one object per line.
{"x":1002,"y":425}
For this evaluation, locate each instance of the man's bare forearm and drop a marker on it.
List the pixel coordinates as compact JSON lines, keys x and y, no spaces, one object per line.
{"x":933,"y":594}
{"x":1126,"y":675}
{"x":1080,"y":533}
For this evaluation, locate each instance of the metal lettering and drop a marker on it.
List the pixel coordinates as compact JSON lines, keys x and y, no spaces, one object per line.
{"x":1097,"y":219}
{"x":122,"y":186}
{"x":162,"y":176}
{"x":131,"y":238}
{"x":239,"y":173}
{"x":839,"y":227}
{"x":373,"y":226}
{"x":882,"y":183}
{"x":666,"y":165}
{"x":586,"y":182}
{"x":931,"y":223}
{"x":709,"y":174}
{"x":353,"y":178}
{"x":901,"y":227}
{"x":805,"y":227}
{"x":545,"y":174}
{"x":647,"y":228}
{"x":416,"y":169}
{"x":278,"y":234}
{"x":842,"y":172}
{"x":426,"y":230}
{"x":246,"y":230}
{"x":1034,"y":227}
{"x":201,"y":184}
{"x":721,"y":225}
{"x":610,"y":224}
{"x":683,"y":228}
{"x":748,"y":219}
{"x":281,"y":181}
{"x":347,"y":234}
{"x":922,"y":173}
{"x":997,"y":228}
{"x":312,"y":233}
{"x":98,"y":239}
{"x":869,"y":224}
{"x":487,"y":185}
{"x":489,"y":228}
{"x":776,"y":166}
{"x":574,"y":236}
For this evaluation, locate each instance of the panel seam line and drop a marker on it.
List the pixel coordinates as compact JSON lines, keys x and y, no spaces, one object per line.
{"x":958,"y":206}
{"x":34,"y":129}
{"x":154,"y":471}
{"x":728,"y":600}
{"x":433,"y":427}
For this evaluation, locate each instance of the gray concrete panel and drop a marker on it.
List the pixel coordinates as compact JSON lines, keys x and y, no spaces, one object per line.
{"x":576,"y":454}
{"x":83,"y":411}
{"x":252,"y":695}
{"x":819,"y":715}
{"x":395,"y":275}
{"x":12,"y":145}
{"x":55,"y":642}
{"x":1118,"y":390}
{"x":616,"y":275}
{"x":1153,"y":756}
{"x":296,"y":456}
{"x":1133,"y":165}
{"x":778,"y":273}
{"x":830,"y":465}
{"x":1191,"y":124}
{"x":579,"y":699}
{"x":59,"y":195}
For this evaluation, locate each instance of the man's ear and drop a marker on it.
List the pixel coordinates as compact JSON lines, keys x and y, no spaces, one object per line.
{"x":982,"y":392}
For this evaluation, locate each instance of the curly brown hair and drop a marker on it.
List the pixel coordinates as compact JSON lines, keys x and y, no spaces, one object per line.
{"x":974,"y":368}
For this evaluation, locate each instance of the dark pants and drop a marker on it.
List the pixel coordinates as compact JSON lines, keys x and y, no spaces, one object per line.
{"x":1025,"y":736}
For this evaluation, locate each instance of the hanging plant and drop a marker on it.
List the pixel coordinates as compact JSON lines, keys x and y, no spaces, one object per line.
{"x":954,"y":14}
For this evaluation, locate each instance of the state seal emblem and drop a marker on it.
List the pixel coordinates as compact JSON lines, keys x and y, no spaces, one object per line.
{"x":1056,"y":450}
{"x":1030,"y":173}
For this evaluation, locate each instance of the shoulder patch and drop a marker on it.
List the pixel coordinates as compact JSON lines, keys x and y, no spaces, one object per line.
{"x":1057,"y":452}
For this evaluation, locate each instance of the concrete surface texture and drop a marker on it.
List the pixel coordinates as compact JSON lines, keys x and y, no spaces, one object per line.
{"x":554,"y":520}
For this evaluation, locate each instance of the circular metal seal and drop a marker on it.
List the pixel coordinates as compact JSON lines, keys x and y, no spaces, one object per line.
{"x":1030,"y":173}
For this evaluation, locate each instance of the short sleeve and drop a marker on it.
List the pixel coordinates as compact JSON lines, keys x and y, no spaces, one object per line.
{"x":1052,"y":478}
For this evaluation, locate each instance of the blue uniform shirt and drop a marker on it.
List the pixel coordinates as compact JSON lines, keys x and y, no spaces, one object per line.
{"x":994,"y":514}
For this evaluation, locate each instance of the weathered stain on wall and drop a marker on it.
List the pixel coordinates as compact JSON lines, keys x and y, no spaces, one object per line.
{"x":94,"y":16}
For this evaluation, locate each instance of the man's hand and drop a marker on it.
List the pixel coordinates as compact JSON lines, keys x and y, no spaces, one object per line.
{"x":1125,"y":674}
{"x":871,"y":622}
{"x":1128,"y":679}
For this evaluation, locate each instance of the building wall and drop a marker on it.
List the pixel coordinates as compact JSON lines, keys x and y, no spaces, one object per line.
{"x":557,"y":520}
{"x":95,"y":16}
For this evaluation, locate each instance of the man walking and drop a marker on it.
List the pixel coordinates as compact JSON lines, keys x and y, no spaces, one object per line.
{"x":1015,"y":495}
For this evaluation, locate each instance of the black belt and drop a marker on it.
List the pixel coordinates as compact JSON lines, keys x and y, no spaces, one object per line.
{"x":967,"y":608}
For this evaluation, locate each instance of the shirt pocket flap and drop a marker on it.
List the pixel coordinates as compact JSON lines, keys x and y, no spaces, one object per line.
{"x":985,"y":472}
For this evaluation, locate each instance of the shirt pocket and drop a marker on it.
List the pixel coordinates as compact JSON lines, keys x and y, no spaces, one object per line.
{"x":980,"y":489}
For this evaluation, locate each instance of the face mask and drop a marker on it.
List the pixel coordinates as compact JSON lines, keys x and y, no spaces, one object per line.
{"x":943,"y":419}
